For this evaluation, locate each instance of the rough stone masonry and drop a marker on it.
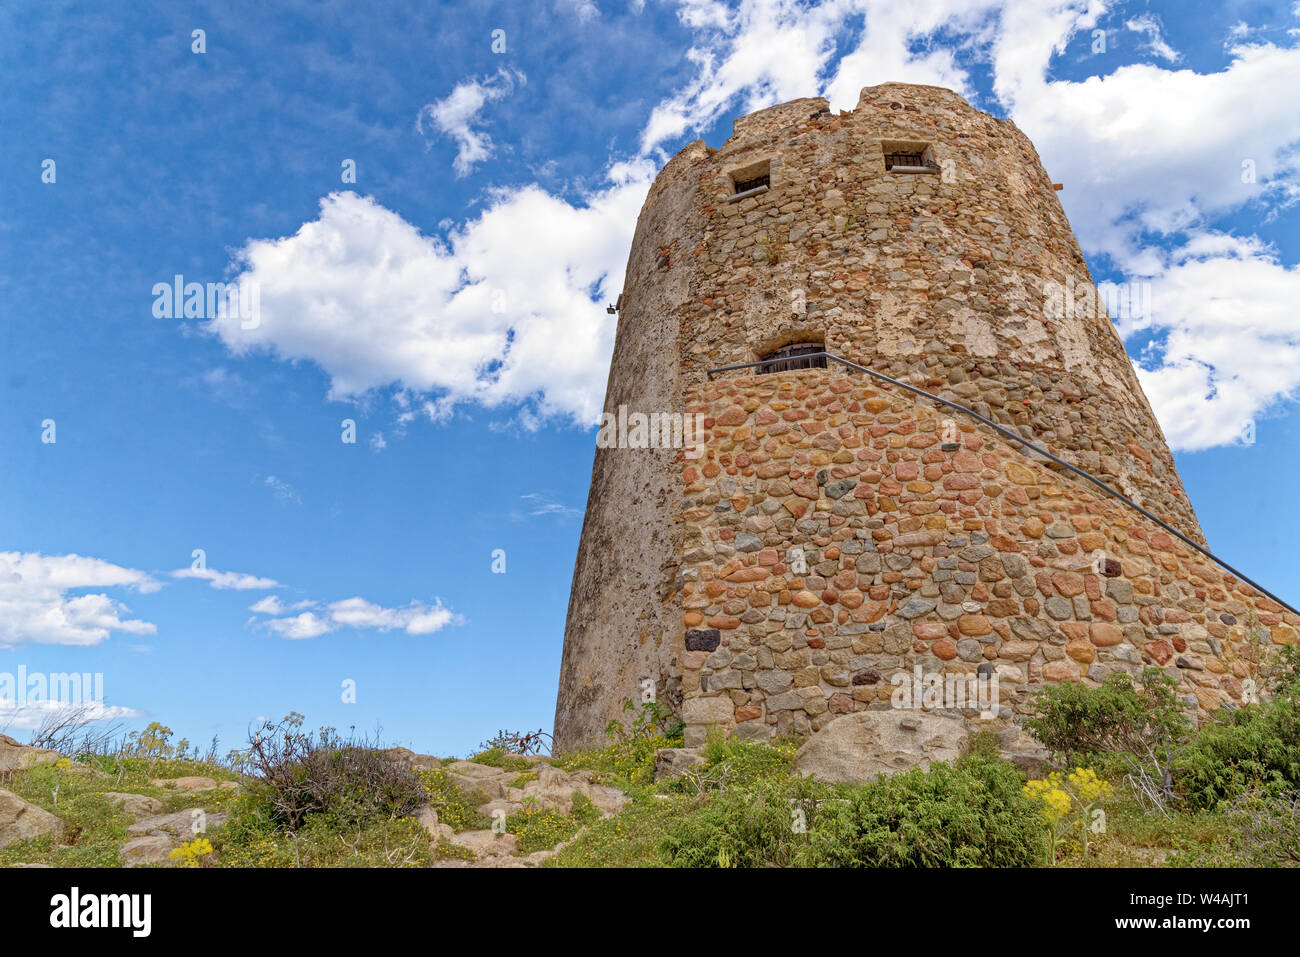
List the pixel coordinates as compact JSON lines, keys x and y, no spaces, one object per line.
{"x":838,"y":531}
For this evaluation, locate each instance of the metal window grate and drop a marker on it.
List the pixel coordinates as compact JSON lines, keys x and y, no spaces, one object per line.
{"x":802,"y":355}
{"x":744,"y":186}
{"x":904,"y":159}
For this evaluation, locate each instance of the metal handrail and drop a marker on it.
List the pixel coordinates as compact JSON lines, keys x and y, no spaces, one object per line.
{"x":1041,"y":451}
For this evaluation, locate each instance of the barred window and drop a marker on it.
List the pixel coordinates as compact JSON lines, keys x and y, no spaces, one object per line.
{"x":797,"y":355}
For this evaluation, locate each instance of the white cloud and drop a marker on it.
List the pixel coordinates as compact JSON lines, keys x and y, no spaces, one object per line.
{"x":223,"y":580}
{"x":507,"y":309}
{"x":1229,"y":348}
{"x":415,"y":618}
{"x":585,"y":10}
{"x":1150,"y":26}
{"x":501,"y":312}
{"x":539,"y":504}
{"x":298,"y":627}
{"x":36,"y":605}
{"x":457,"y":114}
{"x":283,"y":490}
{"x":32,"y":714}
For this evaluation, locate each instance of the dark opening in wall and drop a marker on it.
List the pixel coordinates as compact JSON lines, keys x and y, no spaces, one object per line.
{"x":751,"y":179}
{"x":744,"y":186}
{"x":797,"y":355}
{"x":910,"y":157}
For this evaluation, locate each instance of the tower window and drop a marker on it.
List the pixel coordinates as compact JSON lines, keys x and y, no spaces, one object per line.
{"x":754,"y":178}
{"x":909,"y":157}
{"x":797,"y":355}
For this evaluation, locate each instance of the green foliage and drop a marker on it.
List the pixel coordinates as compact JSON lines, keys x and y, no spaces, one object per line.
{"x":1079,"y":723}
{"x":1262,"y":830}
{"x":1257,"y":746}
{"x":251,"y":840}
{"x":652,"y":720}
{"x":297,"y":774}
{"x":455,"y":808}
{"x":1254,"y":747}
{"x":970,"y":814}
{"x":495,"y":757}
{"x":752,"y":826}
{"x":539,"y":829}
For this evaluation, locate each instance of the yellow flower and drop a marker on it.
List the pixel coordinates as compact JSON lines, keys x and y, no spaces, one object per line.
{"x":1088,"y":786}
{"x":189,"y":854}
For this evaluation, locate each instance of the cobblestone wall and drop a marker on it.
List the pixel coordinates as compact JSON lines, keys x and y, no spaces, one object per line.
{"x":964,"y":279}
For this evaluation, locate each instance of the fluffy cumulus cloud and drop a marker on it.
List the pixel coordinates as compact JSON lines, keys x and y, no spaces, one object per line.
{"x":1229,"y":347}
{"x":458,"y":114}
{"x":508,"y":308}
{"x":415,"y":618}
{"x":44,"y":599}
{"x":236,"y":580}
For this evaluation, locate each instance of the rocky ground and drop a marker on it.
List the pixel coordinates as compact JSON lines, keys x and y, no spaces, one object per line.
{"x":155,"y":834}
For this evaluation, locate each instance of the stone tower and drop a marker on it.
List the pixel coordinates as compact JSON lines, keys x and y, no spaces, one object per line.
{"x":836,"y":531}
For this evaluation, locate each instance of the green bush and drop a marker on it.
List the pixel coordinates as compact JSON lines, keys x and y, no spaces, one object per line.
{"x":539,"y":828}
{"x":297,"y":774}
{"x":1254,"y":746}
{"x":747,"y":827}
{"x":1263,"y":830}
{"x":972,"y":813}
{"x":969,"y":814}
{"x":1079,"y":723}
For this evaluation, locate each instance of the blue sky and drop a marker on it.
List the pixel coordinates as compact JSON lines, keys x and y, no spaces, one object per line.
{"x":450,"y":302}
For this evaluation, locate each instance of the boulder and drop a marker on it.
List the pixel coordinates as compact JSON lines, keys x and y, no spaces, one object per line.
{"x":428,"y":819}
{"x":674,"y":762}
{"x":150,"y":849}
{"x":179,"y":824}
{"x":187,"y":784}
{"x":858,"y":747}
{"x":137,"y":805}
{"x":20,"y":757}
{"x":20,"y":820}
{"x":420,"y":762}
{"x":486,"y":843}
{"x":554,"y":789}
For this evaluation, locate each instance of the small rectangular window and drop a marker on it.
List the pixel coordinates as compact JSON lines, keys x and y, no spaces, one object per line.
{"x":754,"y":178}
{"x":745,"y":185}
{"x":799,"y":355}
{"x":909,"y":157}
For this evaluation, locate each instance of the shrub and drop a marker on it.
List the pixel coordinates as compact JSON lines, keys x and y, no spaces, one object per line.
{"x":1257,"y":746}
{"x":1078,"y":722}
{"x":518,"y":742}
{"x":972,"y":813}
{"x":969,"y":814}
{"x":1263,"y":831}
{"x":756,"y":826}
{"x":298,"y":773}
{"x":539,"y":828}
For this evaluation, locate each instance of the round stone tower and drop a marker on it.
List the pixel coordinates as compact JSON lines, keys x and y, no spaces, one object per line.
{"x":831,"y":532}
